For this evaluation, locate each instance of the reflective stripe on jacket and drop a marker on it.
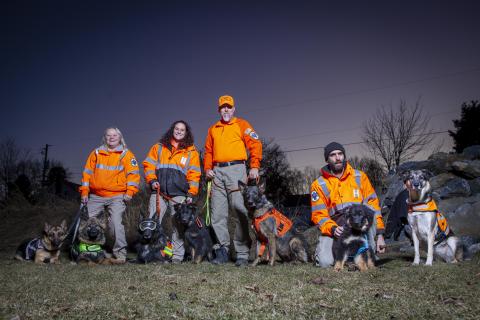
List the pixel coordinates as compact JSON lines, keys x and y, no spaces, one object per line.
{"x":329,"y":194}
{"x":229,"y":142}
{"x":282,"y":222}
{"x":177,"y":170}
{"x":110,"y":173}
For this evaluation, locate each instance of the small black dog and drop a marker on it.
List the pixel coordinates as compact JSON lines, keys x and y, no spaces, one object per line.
{"x":353,"y":243}
{"x":153,"y":244}
{"x":197,"y":235}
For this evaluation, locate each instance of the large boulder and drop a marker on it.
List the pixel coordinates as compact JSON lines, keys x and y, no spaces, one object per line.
{"x":472,"y":152}
{"x":475,"y":185}
{"x":469,"y":169}
{"x":413,"y":165}
{"x":465,"y":220}
{"x":457,"y":187}
{"x":440,"y":180}
{"x":441,"y":162}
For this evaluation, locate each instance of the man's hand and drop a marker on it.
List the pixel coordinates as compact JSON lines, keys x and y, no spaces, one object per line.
{"x":253,"y":174}
{"x":210,"y":174}
{"x":84,"y":200}
{"x":381,"y":244}
{"x":338,"y":232}
{"x":155,"y":185}
{"x":127,"y":197}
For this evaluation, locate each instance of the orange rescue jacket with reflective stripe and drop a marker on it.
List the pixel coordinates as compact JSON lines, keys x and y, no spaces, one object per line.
{"x":329,"y":194}
{"x":181,"y":163}
{"x":229,"y":142}
{"x":110,"y":173}
{"x":430,"y":206}
{"x":283,"y":226}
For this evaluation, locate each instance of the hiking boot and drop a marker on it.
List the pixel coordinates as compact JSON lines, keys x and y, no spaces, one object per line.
{"x":118,"y":260}
{"x":221,"y":256}
{"x":176,"y":261}
{"x":241,"y":262}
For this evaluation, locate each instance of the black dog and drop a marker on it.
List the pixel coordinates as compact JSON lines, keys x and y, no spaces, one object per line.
{"x":197,"y":235}
{"x":353,"y":243}
{"x":153,"y":244}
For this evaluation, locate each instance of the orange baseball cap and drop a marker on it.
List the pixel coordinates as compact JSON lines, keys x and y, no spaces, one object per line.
{"x":225,"y":100}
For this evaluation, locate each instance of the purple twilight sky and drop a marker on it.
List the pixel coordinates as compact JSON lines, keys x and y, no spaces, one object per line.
{"x":302,"y":72}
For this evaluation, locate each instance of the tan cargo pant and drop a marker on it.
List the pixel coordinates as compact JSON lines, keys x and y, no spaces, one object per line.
{"x":115,"y":208}
{"x":223,"y":199}
{"x":177,"y":229}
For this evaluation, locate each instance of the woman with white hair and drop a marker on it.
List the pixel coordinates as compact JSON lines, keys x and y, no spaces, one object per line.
{"x":109,"y":180}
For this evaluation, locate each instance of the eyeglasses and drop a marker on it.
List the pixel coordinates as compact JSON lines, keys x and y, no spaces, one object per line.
{"x":147,"y":225}
{"x":225,"y":106}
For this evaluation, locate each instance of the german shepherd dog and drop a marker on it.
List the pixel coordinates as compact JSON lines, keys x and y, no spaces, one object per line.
{"x":44,"y":249}
{"x":88,"y":247}
{"x":196,"y":232}
{"x":353,"y":243}
{"x":424,"y":220}
{"x":153,"y":243}
{"x":271,"y":227}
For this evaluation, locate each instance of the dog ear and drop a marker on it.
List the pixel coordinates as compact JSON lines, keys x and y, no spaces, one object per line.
{"x":47,"y":227}
{"x":427,"y":173}
{"x":84,"y":213}
{"x":405,"y":175}
{"x":241,"y":185}
{"x":262,"y":186}
{"x":63,"y":224}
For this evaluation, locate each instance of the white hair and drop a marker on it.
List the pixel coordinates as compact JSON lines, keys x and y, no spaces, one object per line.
{"x":122,"y":141}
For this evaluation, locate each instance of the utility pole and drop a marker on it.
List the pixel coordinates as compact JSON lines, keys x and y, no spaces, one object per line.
{"x":45,"y":163}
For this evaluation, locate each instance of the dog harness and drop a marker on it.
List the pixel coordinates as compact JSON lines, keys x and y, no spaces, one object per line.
{"x":362,"y":249}
{"x":84,"y":247}
{"x":167,"y":251}
{"x":431,"y":206}
{"x":32,"y":247}
{"x":283,"y":226}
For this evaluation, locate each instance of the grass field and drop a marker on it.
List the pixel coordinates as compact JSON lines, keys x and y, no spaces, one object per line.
{"x":395,"y":290}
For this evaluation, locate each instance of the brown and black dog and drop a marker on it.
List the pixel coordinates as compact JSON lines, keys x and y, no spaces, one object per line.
{"x":88,"y":247}
{"x":353,"y":243}
{"x":272,"y":228}
{"x":44,"y":249}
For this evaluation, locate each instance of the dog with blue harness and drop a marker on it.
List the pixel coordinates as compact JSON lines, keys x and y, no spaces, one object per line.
{"x":353,"y":245}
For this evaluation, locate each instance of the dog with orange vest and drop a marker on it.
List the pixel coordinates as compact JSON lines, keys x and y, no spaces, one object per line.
{"x":272,"y":228}
{"x":429,"y":226}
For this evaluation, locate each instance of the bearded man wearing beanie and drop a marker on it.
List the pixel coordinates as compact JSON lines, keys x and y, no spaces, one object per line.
{"x":340,"y":186}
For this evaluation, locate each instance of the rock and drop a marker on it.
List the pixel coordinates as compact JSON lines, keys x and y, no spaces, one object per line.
{"x":448,"y":206}
{"x":442,"y":162}
{"x":465,"y":221}
{"x":395,"y":186}
{"x":456,"y":187}
{"x":475,"y":185}
{"x":413,"y":165}
{"x":472,"y":152}
{"x":467,"y":168}
{"x":440,"y":180}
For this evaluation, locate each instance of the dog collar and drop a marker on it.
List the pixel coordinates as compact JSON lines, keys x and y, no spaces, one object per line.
{"x":84,"y":247}
{"x":426,"y":206}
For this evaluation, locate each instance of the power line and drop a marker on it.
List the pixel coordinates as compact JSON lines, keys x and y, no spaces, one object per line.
{"x":362,"y":142}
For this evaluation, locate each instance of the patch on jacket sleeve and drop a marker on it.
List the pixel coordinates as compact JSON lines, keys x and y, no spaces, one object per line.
{"x":254,"y":135}
{"x":134,"y":162}
{"x":315,"y":196}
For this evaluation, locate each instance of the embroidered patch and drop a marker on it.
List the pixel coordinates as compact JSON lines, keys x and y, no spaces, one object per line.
{"x":248,"y":130}
{"x":134,"y":162}
{"x":183,"y":160}
{"x":254,"y":135}
{"x":315,"y":196}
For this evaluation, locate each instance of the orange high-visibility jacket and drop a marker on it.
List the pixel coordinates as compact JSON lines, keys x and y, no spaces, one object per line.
{"x":283,"y":226}
{"x":177,"y":170}
{"x":229,"y":142}
{"x":329,"y":194}
{"x":110,"y":173}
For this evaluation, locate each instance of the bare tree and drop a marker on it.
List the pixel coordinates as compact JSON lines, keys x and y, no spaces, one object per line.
{"x":10,"y":155}
{"x":397,"y":134}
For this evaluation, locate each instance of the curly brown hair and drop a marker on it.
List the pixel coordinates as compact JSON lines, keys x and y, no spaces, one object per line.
{"x":186,"y":142}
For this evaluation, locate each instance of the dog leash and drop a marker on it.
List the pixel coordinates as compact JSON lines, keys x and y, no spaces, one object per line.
{"x":207,"y":203}
{"x":76,"y":222}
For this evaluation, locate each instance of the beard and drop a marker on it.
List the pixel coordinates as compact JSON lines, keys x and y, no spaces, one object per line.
{"x":337,"y":167}
{"x":227,"y":117}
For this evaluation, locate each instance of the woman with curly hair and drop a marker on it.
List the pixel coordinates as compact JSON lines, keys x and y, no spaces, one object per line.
{"x":173,"y":166}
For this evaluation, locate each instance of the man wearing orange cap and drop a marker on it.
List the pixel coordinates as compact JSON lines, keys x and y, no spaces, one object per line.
{"x":225,"y":157}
